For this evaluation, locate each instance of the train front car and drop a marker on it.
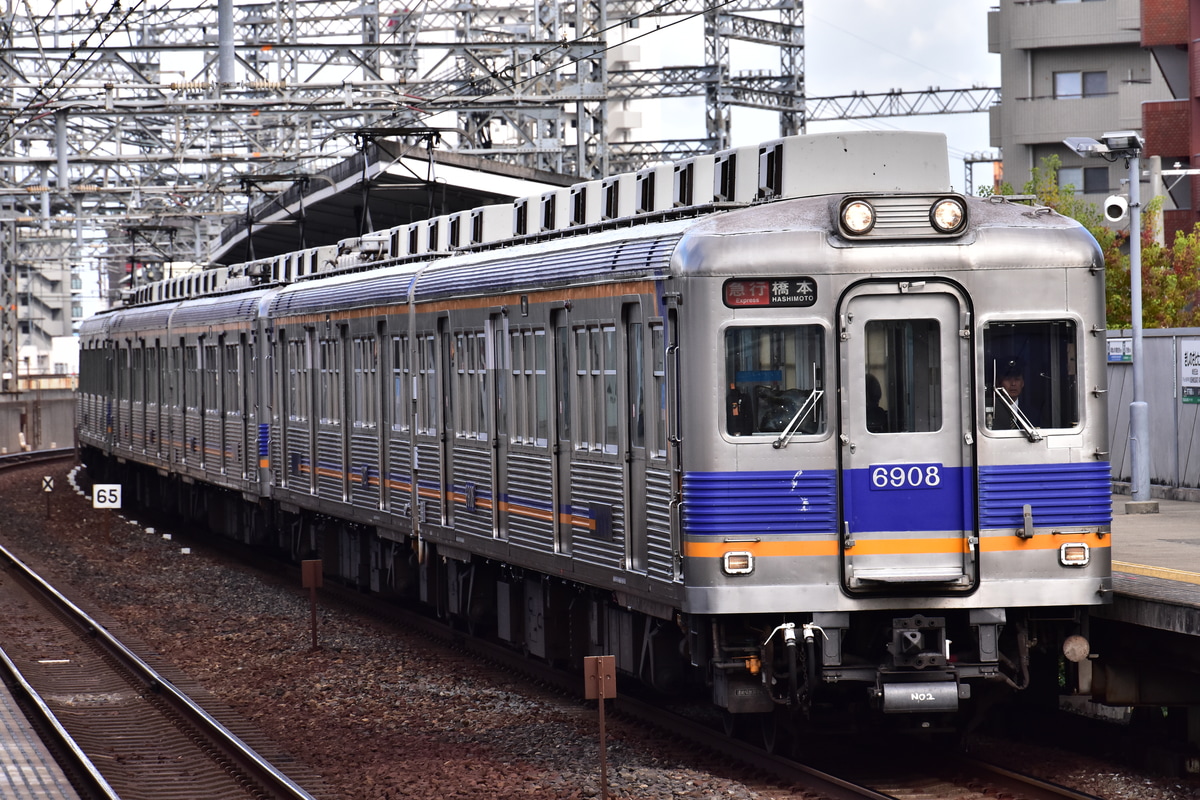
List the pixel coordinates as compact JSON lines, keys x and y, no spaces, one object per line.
{"x":900,"y":485}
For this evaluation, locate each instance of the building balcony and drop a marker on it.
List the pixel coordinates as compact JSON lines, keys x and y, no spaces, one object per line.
{"x":1036,"y":24}
{"x":1048,"y":119}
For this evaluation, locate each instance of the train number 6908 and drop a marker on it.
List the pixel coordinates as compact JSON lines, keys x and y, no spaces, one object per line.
{"x":906,"y":476}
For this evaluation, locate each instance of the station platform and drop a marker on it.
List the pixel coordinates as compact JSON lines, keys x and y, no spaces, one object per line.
{"x":27,"y":769}
{"x":1156,"y":566}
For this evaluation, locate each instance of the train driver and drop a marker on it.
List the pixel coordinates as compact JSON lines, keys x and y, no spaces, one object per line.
{"x":1011,"y":380}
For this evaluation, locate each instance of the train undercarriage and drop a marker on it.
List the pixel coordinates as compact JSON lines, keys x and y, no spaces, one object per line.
{"x":771,"y":673}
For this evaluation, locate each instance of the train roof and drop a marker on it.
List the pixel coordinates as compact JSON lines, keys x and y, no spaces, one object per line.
{"x":803,"y":235}
{"x":796,"y":166}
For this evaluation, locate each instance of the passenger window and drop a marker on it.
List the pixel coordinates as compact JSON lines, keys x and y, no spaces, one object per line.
{"x":401,"y":384}
{"x":1031,"y":375}
{"x":904,"y":359}
{"x":774,"y":379}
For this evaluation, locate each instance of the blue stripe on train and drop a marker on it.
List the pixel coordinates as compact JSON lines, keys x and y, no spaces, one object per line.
{"x":922,"y":501}
{"x":1059,"y":494}
{"x":805,"y":502}
{"x":753,"y":503}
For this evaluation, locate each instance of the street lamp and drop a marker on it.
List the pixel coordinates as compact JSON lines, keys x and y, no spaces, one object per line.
{"x":1110,"y":147}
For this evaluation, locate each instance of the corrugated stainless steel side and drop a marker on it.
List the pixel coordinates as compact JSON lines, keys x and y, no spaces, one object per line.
{"x":530,"y":512}
{"x":295,"y":460}
{"x":154,"y":430}
{"x":137,"y":438}
{"x":235,"y":447}
{"x":399,"y":483}
{"x":331,"y":469}
{"x":279,"y":475}
{"x":214,"y":445}
{"x":660,"y":553}
{"x":472,"y":474}
{"x":597,"y":497}
{"x":429,"y":482}
{"x":364,"y":468}
{"x":192,"y":440}
{"x":123,"y":432}
{"x":173,"y":431}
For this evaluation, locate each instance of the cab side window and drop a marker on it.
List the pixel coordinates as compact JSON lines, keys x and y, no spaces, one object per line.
{"x":1031,"y":375}
{"x":774,"y":379}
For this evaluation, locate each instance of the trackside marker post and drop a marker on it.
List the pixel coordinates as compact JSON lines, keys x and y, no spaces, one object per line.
{"x":600,"y":683}
{"x":106,"y":495}
{"x":47,"y":488}
{"x":311,"y":578}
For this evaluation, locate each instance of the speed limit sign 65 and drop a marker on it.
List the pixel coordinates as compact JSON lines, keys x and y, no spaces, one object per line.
{"x":106,"y":495}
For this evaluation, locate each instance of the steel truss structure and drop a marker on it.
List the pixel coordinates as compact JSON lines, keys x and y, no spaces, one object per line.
{"x":131,"y":132}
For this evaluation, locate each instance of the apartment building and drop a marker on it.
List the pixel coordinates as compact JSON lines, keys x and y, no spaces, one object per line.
{"x":1087,"y":67}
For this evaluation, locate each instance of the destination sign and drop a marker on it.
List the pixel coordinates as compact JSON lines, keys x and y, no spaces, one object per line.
{"x":772,"y":292}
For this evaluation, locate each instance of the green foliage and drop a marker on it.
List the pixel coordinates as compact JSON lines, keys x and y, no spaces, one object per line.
{"x":1170,"y":273}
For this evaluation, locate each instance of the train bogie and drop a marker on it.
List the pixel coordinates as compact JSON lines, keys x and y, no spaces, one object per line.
{"x":841,"y":428}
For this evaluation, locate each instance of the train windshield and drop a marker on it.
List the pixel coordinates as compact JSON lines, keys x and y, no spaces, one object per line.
{"x":771,"y":374}
{"x":1031,"y":373}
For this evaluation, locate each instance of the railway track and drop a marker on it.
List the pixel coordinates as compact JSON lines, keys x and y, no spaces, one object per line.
{"x":120,"y":728}
{"x":949,"y":778}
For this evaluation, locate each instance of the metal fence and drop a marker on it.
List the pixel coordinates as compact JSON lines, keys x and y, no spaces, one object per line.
{"x":43,"y":419}
{"x":1174,"y":417}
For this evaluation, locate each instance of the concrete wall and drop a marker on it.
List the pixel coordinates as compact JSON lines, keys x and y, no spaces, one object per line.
{"x":46,"y":418}
{"x":1174,"y":424}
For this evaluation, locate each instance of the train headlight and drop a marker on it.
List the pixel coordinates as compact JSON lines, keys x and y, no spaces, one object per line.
{"x":948,"y":215}
{"x":1074,"y":554}
{"x":858,"y":216}
{"x":738,"y":563}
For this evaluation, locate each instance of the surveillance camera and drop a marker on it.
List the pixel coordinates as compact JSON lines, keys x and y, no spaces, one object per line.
{"x":1115,"y":208}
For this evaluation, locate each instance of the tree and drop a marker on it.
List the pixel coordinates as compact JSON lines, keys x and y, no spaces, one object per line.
{"x":1170,"y":273}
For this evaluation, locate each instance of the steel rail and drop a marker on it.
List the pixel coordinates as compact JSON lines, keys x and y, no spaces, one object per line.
{"x":80,"y":766}
{"x":243,"y":756}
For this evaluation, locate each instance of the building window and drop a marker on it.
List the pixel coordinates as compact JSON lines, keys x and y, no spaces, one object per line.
{"x":1089,"y":180}
{"x":1095,"y":180}
{"x":1073,"y":85}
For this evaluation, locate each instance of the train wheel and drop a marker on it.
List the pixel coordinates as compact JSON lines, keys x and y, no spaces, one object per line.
{"x":729,"y":723}
{"x":775,"y":734}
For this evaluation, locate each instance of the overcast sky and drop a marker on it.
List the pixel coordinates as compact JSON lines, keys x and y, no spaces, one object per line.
{"x":869,"y":46}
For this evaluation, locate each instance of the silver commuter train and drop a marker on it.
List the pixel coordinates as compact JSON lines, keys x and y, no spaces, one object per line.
{"x":825,"y":431}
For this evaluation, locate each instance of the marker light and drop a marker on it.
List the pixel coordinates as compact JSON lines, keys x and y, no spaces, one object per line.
{"x":1074,"y":554}
{"x":739,"y":563}
{"x":858,"y":217}
{"x":947,"y":215}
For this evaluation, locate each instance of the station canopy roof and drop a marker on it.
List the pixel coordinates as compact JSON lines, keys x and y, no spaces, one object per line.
{"x":406,"y":184}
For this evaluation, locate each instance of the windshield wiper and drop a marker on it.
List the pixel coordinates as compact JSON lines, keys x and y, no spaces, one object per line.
{"x":1031,"y":432}
{"x":790,"y":429}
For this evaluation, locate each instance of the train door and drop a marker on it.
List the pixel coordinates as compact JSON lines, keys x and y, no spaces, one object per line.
{"x":283,"y":409}
{"x":635,"y":454}
{"x":383,"y":424}
{"x":907,"y":469}
{"x":560,"y":453}
{"x":500,"y":363}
